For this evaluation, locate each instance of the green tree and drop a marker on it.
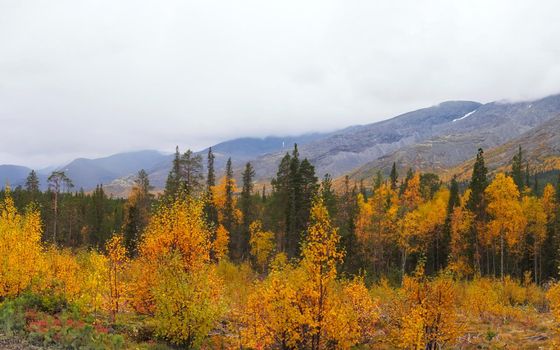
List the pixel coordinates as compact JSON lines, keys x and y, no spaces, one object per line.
{"x":328,"y":196}
{"x":173,"y":183}
{"x":478,"y":184}
{"x":210,"y":209}
{"x":394,"y":176}
{"x":191,"y":173}
{"x":229,"y":208}
{"x":378,"y":180}
{"x":517,"y":169}
{"x":58,"y":181}
{"x":137,"y":212}
{"x":247,"y":206}
{"x":32,"y":182}
{"x":294,"y":187}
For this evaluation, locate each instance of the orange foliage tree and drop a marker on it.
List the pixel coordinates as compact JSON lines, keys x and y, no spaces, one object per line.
{"x":20,"y":247}
{"x":507,"y":220}
{"x":118,"y":260}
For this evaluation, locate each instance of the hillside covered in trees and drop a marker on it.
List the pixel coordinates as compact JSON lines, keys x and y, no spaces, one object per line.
{"x":409,"y":262}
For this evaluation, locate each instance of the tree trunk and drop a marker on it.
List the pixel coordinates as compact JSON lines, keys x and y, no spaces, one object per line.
{"x":55,"y":216}
{"x":502,"y":256}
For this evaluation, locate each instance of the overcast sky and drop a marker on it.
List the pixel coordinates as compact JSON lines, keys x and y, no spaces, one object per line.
{"x":92,"y":78}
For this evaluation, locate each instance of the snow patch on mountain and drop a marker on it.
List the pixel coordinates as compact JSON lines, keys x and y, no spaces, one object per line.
{"x":465,"y":116}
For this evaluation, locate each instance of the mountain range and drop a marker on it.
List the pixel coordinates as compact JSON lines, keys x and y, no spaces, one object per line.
{"x":441,"y":139}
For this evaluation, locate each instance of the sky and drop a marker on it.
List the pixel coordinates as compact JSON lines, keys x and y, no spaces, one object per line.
{"x":93,"y":78}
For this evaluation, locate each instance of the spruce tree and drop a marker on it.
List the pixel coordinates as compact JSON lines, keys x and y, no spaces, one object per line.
{"x":476,"y":204}
{"x":328,"y":195}
{"x":453,"y":202}
{"x":32,"y":184}
{"x":478,"y":184}
{"x":363,"y":190}
{"x":137,"y":212}
{"x":517,"y":169}
{"x":279,"y":206}
{"x":454,"y":199}
{"x":294,"y":187}
{"x":210,"y":208}
{"x":246,"y":205}
{"x":294,"y":193}
{"x":394,"y":176}
{"x":308,"y":188}
{"x":99,"y":234}
{"x":536,"y":185}
{"x":173,"y":183}
{"x":527,"y":176}
{"x":228,"y":213}
{"x":378,"y":180}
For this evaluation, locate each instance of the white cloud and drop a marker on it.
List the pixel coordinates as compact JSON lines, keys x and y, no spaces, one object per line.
{"x":90,"y":78}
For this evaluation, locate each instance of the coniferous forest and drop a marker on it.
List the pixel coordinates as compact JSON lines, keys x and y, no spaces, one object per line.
{"x":403,"y":260}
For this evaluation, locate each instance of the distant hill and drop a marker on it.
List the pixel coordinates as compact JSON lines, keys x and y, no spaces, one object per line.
{"x":440,"y":138}
{"x":87,"y":173}
{"x":490,"y":125}
{"x":541,"y":148}
{"x":13,"y":175}
{"x":347,"y":149}
{"x":240,"y":150}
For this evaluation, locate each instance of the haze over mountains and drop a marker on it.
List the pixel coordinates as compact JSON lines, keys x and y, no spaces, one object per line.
{"x":438,"y":138}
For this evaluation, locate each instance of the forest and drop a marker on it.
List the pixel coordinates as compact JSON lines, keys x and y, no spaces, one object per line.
{"x":399,"y":261}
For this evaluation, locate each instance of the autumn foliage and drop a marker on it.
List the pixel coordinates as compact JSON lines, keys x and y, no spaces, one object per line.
{"x":430,"y":264}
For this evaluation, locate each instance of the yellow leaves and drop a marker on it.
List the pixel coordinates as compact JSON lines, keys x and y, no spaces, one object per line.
{"x":173,"y":277}
{"x":261,"y":244}
{"x":20,"y":247}
{"x":273,"y":315}
{"x":363,"y":220}
{"x":489,"y":299}
{"x":219,"y":198}
{"x":507,"y":220}
{"x":548,"y":202}
{"x":363,"y":310}
{"x":418,"y":226}
{"x":320,"y":250}
{"x":180,"y":228}
{"x":412,"y":196}
{"x":220,"y":243}
{"x":188,"y":303}
{"x":536,"y":219}
{"x":60,"y":274}
{"x":116,"y":254}
{"x":94,"y":273}
{"x":461,"y":226}
{"x":303,"y":306}
{"x":424,"y":315}
{"x":553,"y":296}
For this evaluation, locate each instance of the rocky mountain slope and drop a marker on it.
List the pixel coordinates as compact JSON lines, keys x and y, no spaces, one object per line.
{"x":438,"y":139}
{"x":342,"y":151}
{"x":541,"y":148}
{"x":490,"y":125}
{"x":13,"y":175}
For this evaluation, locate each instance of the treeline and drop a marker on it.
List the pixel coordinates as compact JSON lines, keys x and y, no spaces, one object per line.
{"x":210,"y":264}
{"x":506,"y":225}
{"x":70,"y":218}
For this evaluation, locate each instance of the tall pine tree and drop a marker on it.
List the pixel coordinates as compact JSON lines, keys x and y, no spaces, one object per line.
{"x":173,"y":183}
{"x":191,"y":173}
{"x":517,"y":169}
{"x":394,"y":176}
{"x":247,"y":206}
{"x":210,"y":208}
